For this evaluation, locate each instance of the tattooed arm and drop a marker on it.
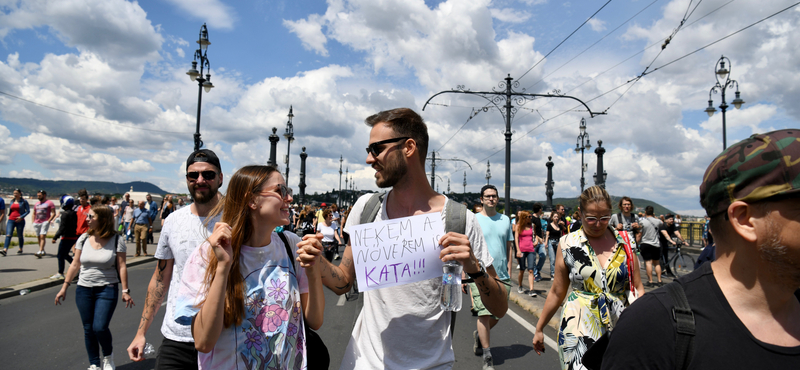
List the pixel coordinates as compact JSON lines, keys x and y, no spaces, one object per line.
{"x":156,"y":291}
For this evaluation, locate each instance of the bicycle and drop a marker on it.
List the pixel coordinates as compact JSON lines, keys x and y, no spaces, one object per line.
{"x":681,"y":263}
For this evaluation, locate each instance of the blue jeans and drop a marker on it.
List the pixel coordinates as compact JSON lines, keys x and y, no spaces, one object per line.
{"x":10,"y":226}
{"x":552,"y":250}
{"x":63,"y":253}
{"x":128,"y":238}
{"x":96,"y":306}
{"x":539,"y":252}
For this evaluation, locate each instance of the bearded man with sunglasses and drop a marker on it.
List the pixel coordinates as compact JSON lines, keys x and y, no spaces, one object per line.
{"x":403,"y":327}
{"x":183,"y":231}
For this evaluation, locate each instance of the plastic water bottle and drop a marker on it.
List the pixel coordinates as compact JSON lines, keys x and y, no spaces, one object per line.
{"x":149,"y":350}
{"x":451,"y":286}
{"x":24,"y":291}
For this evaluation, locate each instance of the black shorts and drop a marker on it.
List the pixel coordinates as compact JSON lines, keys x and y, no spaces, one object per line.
{"x":176,"y":355}
{"x":650,"y":252}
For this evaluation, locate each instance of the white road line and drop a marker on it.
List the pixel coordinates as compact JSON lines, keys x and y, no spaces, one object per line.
{"x":547,"y":340}
{"x":341,"y":301}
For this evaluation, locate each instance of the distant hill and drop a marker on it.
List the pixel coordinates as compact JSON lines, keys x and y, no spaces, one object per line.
{"x":53,"y":188}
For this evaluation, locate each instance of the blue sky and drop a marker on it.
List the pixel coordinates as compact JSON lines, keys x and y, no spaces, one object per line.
{"x":124,"y":110}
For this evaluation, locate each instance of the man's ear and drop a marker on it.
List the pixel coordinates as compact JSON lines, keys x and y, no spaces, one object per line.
{"x":410,"y":147}
{"x":741,"y":217}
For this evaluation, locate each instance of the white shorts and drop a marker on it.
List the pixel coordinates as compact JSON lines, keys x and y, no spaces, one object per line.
{"x":41,"y":229}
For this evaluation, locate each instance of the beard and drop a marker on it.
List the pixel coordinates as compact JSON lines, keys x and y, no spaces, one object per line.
{"x":202,"y":197}
{"x":393,"y":170}
{"x":776,"y":253}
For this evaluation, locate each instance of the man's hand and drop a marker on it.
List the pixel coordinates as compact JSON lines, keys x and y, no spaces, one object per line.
{"x":136,"y":349}
{"x":457,"y":247}
{"x":308,"y":252}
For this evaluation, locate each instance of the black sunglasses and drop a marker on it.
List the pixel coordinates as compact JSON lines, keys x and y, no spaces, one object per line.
{"x":373,"y":148}
{"x":208,"y":175}
{"x":281,"y":189}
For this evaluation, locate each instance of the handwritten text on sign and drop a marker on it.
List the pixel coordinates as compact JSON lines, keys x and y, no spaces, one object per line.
{"x":397,"y":251}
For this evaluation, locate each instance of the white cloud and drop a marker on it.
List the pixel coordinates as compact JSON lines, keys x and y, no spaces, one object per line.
{"x":510,"y":15}
{"x":215,"y":12}
{"x":25,"y":174}
{"x":310,"y":33}
{"x":597,"y":25}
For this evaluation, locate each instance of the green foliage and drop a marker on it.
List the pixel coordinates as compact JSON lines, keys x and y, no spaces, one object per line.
{"x":55,"y":188}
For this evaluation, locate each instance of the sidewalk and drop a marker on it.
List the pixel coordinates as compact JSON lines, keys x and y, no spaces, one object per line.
{"x":25,"y":271}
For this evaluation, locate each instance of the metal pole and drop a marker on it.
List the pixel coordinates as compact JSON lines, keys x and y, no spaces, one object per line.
{"x":197,"y":142}
{"x":549,"y":184}
{"x":339,"y":198}
{"x":433,"y":169}
{"x":507,"y":186}
{"x":303,"y":157}
{"x":289,"y":135}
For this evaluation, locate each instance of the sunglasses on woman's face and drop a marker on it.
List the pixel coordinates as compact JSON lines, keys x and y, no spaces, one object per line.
{"x":207,"y":175}
{"x":284,"y":191}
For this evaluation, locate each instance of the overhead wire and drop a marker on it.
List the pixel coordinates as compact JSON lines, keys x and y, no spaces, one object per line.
{"x":90,"y":118}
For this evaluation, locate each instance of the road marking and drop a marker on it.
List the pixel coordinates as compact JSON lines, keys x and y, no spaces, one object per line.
{"x":341,"y":301}
{"x":547,"y":340}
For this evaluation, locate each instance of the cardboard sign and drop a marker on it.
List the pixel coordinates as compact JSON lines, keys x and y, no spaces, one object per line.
{"x":397,"y":251}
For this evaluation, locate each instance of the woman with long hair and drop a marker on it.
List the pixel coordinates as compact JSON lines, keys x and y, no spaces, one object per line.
{"x":100,"y":258}
{"x":17,"y":211}
{"x":248,"y":301}
{"x":526,"y":240}
{"x":593,"y":261}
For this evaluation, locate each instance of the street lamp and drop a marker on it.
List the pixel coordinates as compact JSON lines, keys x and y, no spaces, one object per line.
{"x":201,"y":54}
{"x":289,"y":135}
{"x":582,"y":144}
{"x":723,"y":82}
{"x":339,"y":198}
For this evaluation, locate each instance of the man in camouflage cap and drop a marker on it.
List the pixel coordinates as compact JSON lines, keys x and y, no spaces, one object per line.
{"x":746,"y":304}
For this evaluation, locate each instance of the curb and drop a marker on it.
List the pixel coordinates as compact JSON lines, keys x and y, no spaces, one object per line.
{"x":45,"y":283}
{"x":523,"y":301}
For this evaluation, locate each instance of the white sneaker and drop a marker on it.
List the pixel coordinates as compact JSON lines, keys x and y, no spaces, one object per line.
{"x":57,"y":276}
{"x":520,"y":290}
{"x":94,"y":367}
{"x":108,"y":362}
{"x":336,"y":257}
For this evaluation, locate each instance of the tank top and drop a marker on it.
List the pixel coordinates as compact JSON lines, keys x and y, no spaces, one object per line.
{"x":526,"y":240}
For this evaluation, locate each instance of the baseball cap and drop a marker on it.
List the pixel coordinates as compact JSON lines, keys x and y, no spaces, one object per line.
{"x":756,"y":168}
{"x":203,"y":155}
{"x":324,"y":205}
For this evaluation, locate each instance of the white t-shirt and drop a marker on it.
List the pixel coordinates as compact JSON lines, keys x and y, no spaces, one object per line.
{"x":271,"y":334}
{"x":403,"y":327}
{"x":98,"y":266}
{"x":327,"y":232}
{"x":183,"y":231}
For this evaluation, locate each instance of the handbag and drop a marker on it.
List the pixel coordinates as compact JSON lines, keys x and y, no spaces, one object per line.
{"x":317,"y":353}
{"x":631,"y":293}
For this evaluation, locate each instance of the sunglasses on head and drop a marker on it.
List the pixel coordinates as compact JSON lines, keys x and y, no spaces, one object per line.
{"x":208,"y":175}
{"x":284,"y":191}
{"x":373,"y":148}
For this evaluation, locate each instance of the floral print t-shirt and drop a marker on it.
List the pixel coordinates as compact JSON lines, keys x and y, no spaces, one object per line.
{"x":271,"y":335}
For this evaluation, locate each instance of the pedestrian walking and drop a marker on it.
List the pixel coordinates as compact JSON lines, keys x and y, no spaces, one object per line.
{"x":526,"y":238}
{"x":141,"y":225}
{"x":743,"y":307}
{"x":330,"y":236}
{"x":153,"y":212}
{"x":593,"y":261}
{"x":17,"y":211}
{"x":403,"y":327}
{"x":183,"y":232}
{"x":553,"y":233}
{"x":650,"y":247}
{"x":247,"y":300}
{"x":100,"y":258}
{"x":66,"y":231}
{"x":44,"y":212}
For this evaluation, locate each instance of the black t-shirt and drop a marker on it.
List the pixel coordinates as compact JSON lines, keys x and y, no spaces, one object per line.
{"x":554,"y":234}
{"x":537,"y":227}
{"x":644,"y":337}
{"x":670,"y":229}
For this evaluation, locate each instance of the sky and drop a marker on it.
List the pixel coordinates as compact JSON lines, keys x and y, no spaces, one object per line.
{"x":97,"y":89}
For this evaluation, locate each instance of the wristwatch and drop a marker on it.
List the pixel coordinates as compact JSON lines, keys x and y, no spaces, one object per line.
{"x":127,"y":291}
{"x":481,"y":272}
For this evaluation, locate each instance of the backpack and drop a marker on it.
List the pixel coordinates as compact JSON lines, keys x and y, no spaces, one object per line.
{"x":455,"y":220}
{"x":682,"y":316}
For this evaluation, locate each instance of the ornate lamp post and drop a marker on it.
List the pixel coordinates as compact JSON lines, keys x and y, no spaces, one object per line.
{"x":303,"y":157}
{"x":582,"y":144}
{"x":289,"y":135}
{"x":273,"y":143}
{"x":549,"y":184}
{"x":601,"y":175}
{"x":723,"y":82}
{"x":339,"y":198}
{"x":201,"y":54}
{"x":346,"y":171}
{"x":488,"y":172}
{"x":464,"y":193}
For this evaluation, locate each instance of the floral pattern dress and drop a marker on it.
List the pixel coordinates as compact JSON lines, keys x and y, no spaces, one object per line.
{"x":597,"y":298}
{"x":271,"y":334}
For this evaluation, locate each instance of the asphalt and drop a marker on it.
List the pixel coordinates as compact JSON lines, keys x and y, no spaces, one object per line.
{"x":20,"y":272}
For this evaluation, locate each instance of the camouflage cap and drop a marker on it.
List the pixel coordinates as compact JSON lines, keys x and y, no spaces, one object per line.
{"x":753,"y":169}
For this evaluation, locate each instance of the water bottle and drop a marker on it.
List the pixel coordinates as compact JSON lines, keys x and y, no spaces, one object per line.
{"x":451,"y":286}
{"x":149,"y":350}
{"x":24,"y":291}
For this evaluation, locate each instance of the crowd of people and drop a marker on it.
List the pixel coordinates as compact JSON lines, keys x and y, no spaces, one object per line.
{"x":243,"y":273}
